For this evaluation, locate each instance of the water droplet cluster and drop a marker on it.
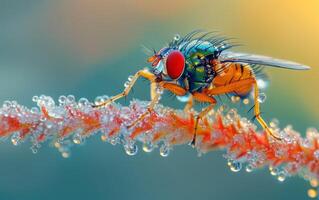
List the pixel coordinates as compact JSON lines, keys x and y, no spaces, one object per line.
{"x":70,"y":122}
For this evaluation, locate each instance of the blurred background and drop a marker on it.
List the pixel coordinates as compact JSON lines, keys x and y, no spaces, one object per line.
{"x":89,"y":47}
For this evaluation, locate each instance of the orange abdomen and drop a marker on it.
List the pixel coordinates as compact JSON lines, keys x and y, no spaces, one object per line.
{"x":233,"y":73}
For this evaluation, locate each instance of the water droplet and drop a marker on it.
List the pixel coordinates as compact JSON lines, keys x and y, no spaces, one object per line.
{"x":66,"y":154}
{"x":262,"y":84}
{"x":312,"y":193}
{"x":159,"y":90}
{"x":98,"y":100}
{"x":164,"y":151}
{"x":130,"y":78}
{"x":77,"y":138}
{"x":314,"y":182}
{"x":306,"y":143}
{"x":232,"y":114}
{"x":261,"y":97}
{"x":249,"y":168}
{"x":104,"y":137}
{"x":43,"y":118}
{"x":311,"y":132}
{"x":126,"y":84}
{"x":148,"y":147}
{"x":316,"y":154}
{"x":70,"y":98}
{"x":177,"y":37}
{"x":15,"y":139}
{"x":6,"y":104}
{"x":273,"y":170}
{"x":35,"y":98}
{"x":62,"y":99}
{"x":246,"y":101}
{"x":235,"y":99}
{"x":114,"y":141}
{"x":34,"y":110}
{"x":274,"y":123}
{"x":83,"y":102}
{"x":235,"y":166}
{"x":57,"y":144}
{"x":34,"y":148}
{"x":131,"y":149}
{"x":281,"y":176}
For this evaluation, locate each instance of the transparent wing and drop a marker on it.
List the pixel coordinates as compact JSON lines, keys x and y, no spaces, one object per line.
{"x":229,"y":56}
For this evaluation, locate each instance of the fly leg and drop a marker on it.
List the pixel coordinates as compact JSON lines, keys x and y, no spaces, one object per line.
{"x":239,"y":84}
{"x":189,"y":104}
{"x":155,"y":95}
{"x":257,"y":114}
{"x":202,"y":97}
{"x":142,"y":73}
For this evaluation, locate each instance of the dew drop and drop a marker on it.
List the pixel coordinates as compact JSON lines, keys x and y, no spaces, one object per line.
{"x":235,"y":166}
{"x":148,"y":147}
{"x":164,"y":151}
{"x":314,"y":182}
{"x":273,"y":170}
{"x":62,"y":99}
{"x":113,"y":141}
{"x":104,"y":137}
{"x":274,"y":123}
{"x":160,"y":91}
{"x":235,"y":99}
{"x":77,"y":138}
{"x":98,"y":100}
{"x":34,"y":148}
{"x":130,"y":78}
{"x":15,"y":139}
{"x":281,"y":177}
{"x":316,"y":154}
{"x":6,"y":104}
{"x":65,"y":154}
{"x":83,"y":102}
{"x":177,"y":37}
{"x":246,"y":101}
{"x":232,"y":114}
{"x":131,"y":149}
{"x":57,"y":144}
{"x":261,"y":97}
{"x":312,"y":193}
{"x":126,"y":84}
{"x":311,"y":132}
{"x":249,"y":168}
{"x":35,"y":98}
{"x":34,"y":110}
{"x":70,"y":98}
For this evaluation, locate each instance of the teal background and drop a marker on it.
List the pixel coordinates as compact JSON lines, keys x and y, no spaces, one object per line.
{"x":90,"y":47}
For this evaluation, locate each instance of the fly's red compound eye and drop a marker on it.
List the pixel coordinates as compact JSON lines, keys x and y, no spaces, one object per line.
{"x":175,"y":64}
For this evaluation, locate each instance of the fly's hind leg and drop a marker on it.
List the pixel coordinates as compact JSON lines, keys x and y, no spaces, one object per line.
{"x":142,"y":73}
{"x":202,"y":97}
{"x":258,"y":116}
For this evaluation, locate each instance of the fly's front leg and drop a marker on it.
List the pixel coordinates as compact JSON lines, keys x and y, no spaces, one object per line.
{"x":156,"y":91}
{"x":155,"y":97}
{"x":144,"y":73}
